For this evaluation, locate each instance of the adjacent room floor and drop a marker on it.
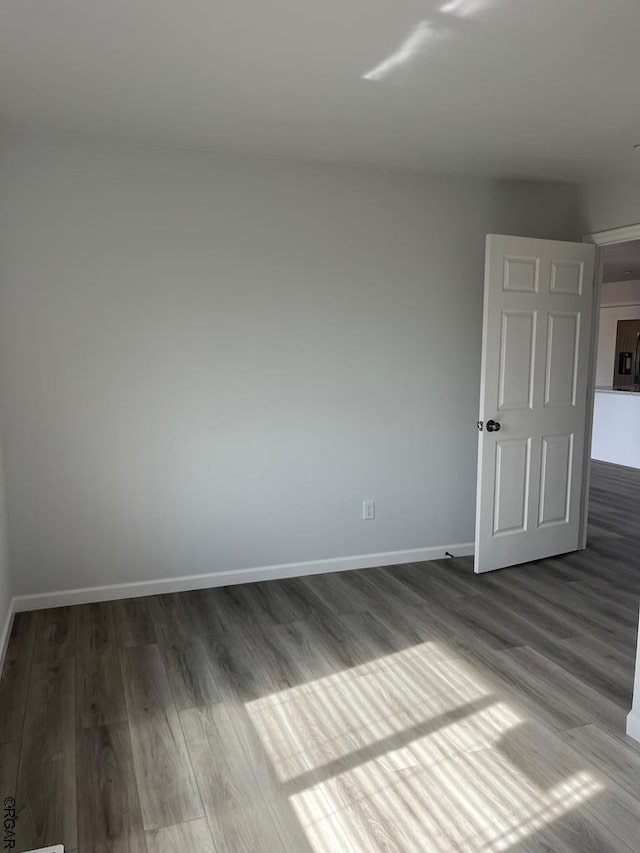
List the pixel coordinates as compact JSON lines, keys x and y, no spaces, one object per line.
{"x":418,"y":707}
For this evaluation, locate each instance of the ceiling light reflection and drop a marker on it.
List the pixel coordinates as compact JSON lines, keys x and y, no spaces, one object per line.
{"x":424,"y":33}
{"x":462,"y":8}
{"x":412,"y":45}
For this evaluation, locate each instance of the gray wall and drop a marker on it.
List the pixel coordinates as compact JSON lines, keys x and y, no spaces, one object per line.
{"x":207,"y":363}
{"x":612,"y":203}
{"x":6,"y":592}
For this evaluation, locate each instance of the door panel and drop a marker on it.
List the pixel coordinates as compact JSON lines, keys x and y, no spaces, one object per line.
{"x":567,"y":277}
{"x":517,"y":354}
{"x":513,"y":461}
{"x":563,"y":341}
{"x":534,"y":380}
{"x":520,"y":274}
{"x":555,"y":479}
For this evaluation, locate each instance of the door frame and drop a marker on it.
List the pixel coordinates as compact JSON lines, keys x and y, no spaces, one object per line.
{"x":600,"y":239}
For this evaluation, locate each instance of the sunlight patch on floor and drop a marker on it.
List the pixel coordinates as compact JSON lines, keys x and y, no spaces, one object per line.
{"x":413,"y":751}
{"x":562,"y":799}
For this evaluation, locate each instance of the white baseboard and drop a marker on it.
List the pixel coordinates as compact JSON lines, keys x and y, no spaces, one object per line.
{"x":88,"y":595}
{"x":6,"y":631}
{"x":633,"y":725}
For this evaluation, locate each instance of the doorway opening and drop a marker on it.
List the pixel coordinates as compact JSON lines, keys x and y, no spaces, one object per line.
{"x":612,"y":491}
{"x":616,"y":411}
{"x":614,"y":397}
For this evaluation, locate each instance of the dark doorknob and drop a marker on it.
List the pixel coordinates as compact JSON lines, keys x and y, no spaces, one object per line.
{"x":493,"y":426}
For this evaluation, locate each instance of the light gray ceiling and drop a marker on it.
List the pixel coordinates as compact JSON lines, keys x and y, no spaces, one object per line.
{"x":622,"y":262}
{"x":534,"y":88}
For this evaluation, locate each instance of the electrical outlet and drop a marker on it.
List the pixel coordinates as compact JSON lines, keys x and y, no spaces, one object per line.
{"x":368,"y":510}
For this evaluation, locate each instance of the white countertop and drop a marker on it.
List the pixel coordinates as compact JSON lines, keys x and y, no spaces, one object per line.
{"x":603,"y":390}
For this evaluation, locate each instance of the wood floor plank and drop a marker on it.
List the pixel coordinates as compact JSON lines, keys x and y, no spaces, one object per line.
{"x":497,"y":626}
{"x":550,"y":764}
{"x":271,"y":669}
{"x":570,"y":601}
{"x":9,"y":756}
{"x":582,"y":695}
{"x":248,"y":831}
{"x":262,"y":604}
{"x":373,"y":632}
{"x":100,"y":692}
{"x":228,"y":783}
{"x":167,"y":789}
{"x":56,"y":633}
{"x":337,"y":595}
{"x":339,"y":641}
{"x":47,"y":776}
{"x":528,"y":691}
{"x":191,"y":674}
{"x":551,"y":694}
{"x":170,"y":619}
{"x":411,"y":630}
{"x":302,"y":602}
{"x":204,"y":612}
{"x":254,"y":744}
{"x":529,"y":607}
{"x":602,"y":585}
{"x":232,"y":611}
{"x":109,"y":815}
{"x":296,"y":643}
{"x":134,"y":624}
{"x":194,"y":836}
{"x":453,"y":634}
{"x":375,"y":589}
{"x":606,"y":752}
{"x":95,"y":627}
{"x":619,"y":655}
{"x":508,"y":586}
{"x":15,"y":676}
{"x":594,"y":665}
{"x":228,"y":658}
{"x":513,"y":630}
{"x":437,"y":580}
{"x":239,"y":815}
{"x":573,"y":834}
{"x":366,"y":821}
{"x":289,"y":827}
{"x":621,"y":611}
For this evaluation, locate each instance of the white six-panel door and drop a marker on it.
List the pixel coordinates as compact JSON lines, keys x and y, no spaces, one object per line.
{"x":533,"y":395}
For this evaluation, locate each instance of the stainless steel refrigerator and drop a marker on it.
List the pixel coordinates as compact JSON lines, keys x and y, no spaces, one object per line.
{"x":626,"y":369}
